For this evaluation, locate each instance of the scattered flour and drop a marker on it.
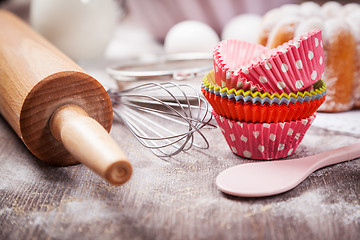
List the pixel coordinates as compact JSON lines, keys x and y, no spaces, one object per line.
{"x":346,"y":122}
{"x":313,"y":206}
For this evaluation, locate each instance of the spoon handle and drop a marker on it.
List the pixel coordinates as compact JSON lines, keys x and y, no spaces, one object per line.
{"x":336,"y":156}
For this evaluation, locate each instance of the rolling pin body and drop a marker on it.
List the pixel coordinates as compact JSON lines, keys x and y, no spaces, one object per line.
{"x":37,"y":80}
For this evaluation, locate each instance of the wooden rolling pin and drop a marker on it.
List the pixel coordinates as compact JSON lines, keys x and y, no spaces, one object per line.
{"x":62,"y":114}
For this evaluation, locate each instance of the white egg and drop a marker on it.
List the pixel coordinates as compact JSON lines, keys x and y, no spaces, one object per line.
{"x":190,"y":36}
{"x":245,"y":27}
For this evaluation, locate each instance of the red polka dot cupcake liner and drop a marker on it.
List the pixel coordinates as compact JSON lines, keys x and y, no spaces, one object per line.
{"x":291,"y":67}
{"x":263,"y":141}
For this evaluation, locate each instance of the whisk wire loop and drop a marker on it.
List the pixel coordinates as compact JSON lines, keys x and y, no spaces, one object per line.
{"x":163,"y":116}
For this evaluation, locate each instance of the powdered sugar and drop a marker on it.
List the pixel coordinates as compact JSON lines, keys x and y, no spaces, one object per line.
{"x":313,"y":205}
{"x":347,"y":122}
{"x":354,"y":22}
{"x":333,"y":27}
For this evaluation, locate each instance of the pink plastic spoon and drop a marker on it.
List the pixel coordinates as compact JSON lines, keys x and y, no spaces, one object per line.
{"x":273,"y":177}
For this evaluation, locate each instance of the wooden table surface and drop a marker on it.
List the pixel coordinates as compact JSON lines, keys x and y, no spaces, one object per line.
{"x":175,"y":198}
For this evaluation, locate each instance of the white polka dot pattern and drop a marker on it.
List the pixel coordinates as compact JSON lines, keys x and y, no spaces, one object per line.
{"x":228,"y":75}
{"x":292,"y":67}
{"x":234,"y":150}
{"x":262,"y":79}
{"x":263,"y":141}
{"x":299,"y":64}
{"x":284,"y":67}
{"x":272,"y":137}
{"x":313,"y":75}
{"x":281,"y":85}
{"x":261,"y":148}
{"x":299,"y":67}
{"x":245,"y":70}
{"x":311,"y":55}
{"x":243,"y":138}
{"x":247,"y":154}
{"x":239,"y":84}
{"x":299,"y":84}
{"x":296,"y":44}
{"x":268,"y":65}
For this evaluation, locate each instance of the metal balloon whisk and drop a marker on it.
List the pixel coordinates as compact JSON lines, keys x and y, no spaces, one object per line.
{"x":164,"y":117}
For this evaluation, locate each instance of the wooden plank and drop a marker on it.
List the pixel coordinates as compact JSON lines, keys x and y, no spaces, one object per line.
{"x":173,"y":199}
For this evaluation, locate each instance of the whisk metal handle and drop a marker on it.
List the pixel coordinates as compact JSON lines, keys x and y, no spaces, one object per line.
{"x":90,"y":143}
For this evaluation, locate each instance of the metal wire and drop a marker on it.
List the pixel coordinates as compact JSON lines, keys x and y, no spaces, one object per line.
{"x":164,"y":117}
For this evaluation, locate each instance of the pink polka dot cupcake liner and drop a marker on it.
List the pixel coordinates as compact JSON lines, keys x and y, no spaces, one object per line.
{"x":263,"y":141}
{"x":230,"y":57}
{"x":291,"y":67}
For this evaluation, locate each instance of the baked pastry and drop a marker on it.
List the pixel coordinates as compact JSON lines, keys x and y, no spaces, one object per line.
{"x":340,"y":25}
{"x":354,"y":21}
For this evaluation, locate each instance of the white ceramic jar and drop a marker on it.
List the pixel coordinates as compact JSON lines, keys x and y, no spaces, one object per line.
{"x":82,"y":29}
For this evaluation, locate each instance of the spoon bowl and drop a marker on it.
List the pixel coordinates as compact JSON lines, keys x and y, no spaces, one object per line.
{"x":261,"y":179}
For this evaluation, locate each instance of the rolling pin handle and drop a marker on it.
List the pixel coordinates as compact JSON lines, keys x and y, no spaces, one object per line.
{"x":90,"y":143}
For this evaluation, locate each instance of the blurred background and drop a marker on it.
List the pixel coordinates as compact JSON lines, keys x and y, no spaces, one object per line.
{"x":98,"y":34}
{"x":160,"y":15}
{"x":69,"y":24}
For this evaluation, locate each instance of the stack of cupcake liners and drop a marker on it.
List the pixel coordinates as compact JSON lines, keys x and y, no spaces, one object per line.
{"x":265,"y":100}
{"x":262,"y":107}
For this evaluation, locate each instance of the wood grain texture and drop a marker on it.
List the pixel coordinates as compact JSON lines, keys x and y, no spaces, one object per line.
{"x":25,"y":59}
{"x":173,"y":198}
{"x":37,"y":79}
{"x":39,"y":83}
{"x":90,"y":143}
{"x":46,"y":97}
